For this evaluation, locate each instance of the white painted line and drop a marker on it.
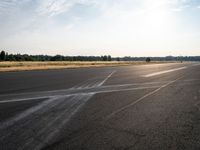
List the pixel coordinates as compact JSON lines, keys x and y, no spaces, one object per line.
{"x":63,"y":90}
{"x":102,"y":89}
{"x":138,"y":100}
{"x":86,"y":93}
{"x":128,"y":89}
{"x":95,"y":86}
{"x":162,"y":72}
{"x":197,"y":105}
{"x":100,"y":84}
{"x":42,"y":97}
{"x":25,"y":99}
{"x":131,"y":84}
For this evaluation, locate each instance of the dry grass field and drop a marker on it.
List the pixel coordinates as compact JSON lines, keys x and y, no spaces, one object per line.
{"x":36,"y":65}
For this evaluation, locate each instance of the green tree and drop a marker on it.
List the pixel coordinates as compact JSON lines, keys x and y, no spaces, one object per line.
{"x":148,"y":59}
{"x":2,"y":55}
{"x":105,"y":58}
{"x":109,"y":58}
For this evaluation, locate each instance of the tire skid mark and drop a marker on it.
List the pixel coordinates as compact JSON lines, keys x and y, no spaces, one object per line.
{"x":23,"y":119}
{"x":25,"y":114}
{"x":37,"y":128}
{"x":60,"y":126}
{"x":55,"y":125}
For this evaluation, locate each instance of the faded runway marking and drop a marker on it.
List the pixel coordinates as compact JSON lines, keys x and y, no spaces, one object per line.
{"x":85,"y":91}
{"x":138,"y":100}
{"x":37,"y":127}
{"x":94,"y":82}
{"x":101,"y":83}
{"x":163,"y":72}
{"x":197,"y":105}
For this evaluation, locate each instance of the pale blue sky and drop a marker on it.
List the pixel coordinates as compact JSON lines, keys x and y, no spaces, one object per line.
{"x":98,"y":27}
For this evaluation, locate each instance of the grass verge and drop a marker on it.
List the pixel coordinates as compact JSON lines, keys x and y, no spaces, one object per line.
{"x":28,"y":65}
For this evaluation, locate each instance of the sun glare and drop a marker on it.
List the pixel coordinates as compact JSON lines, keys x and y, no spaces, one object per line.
{"x":158,"y":22}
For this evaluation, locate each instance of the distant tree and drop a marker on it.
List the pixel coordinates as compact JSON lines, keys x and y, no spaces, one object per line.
{"x":57,"y":58}
{"x":105,"y":58}
{"x":74,"y":58}
{"x":2,"y":55}
{"x":118,"y":59}
{"x":102,"y":58}
{"x":109,"y":58}
{"x":148,"y":59}
{"x":127,"y":58}
{"x":10,"y":57}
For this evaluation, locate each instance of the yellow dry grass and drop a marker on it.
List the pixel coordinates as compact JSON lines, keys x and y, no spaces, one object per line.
{"x":28,"y":65}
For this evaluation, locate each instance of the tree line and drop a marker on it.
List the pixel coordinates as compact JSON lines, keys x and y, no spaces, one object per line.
{"x":4,"y":56}
{"x":25,"y":57}
{"x":166,"y":58}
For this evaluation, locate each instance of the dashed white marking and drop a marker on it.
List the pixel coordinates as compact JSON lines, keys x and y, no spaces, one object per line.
{"x":100,"y":84}
{"x":163,"y":72}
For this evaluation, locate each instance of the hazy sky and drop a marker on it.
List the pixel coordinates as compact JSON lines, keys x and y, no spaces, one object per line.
{"x":98,"y":27}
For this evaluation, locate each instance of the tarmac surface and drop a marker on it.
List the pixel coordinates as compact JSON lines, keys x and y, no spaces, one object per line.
{"x":155,"y":106}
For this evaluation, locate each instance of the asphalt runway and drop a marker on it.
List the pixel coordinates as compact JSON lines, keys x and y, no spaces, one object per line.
{"x":155,"y":106}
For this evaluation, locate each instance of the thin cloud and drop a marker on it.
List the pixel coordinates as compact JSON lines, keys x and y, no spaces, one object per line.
{"x":9,"y":6}
{"x":6,"y":5}
{"x":96,"y":24}
{"x":180,"y":8}
{"x":53,"y":7}
{"x":56,"y":7}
